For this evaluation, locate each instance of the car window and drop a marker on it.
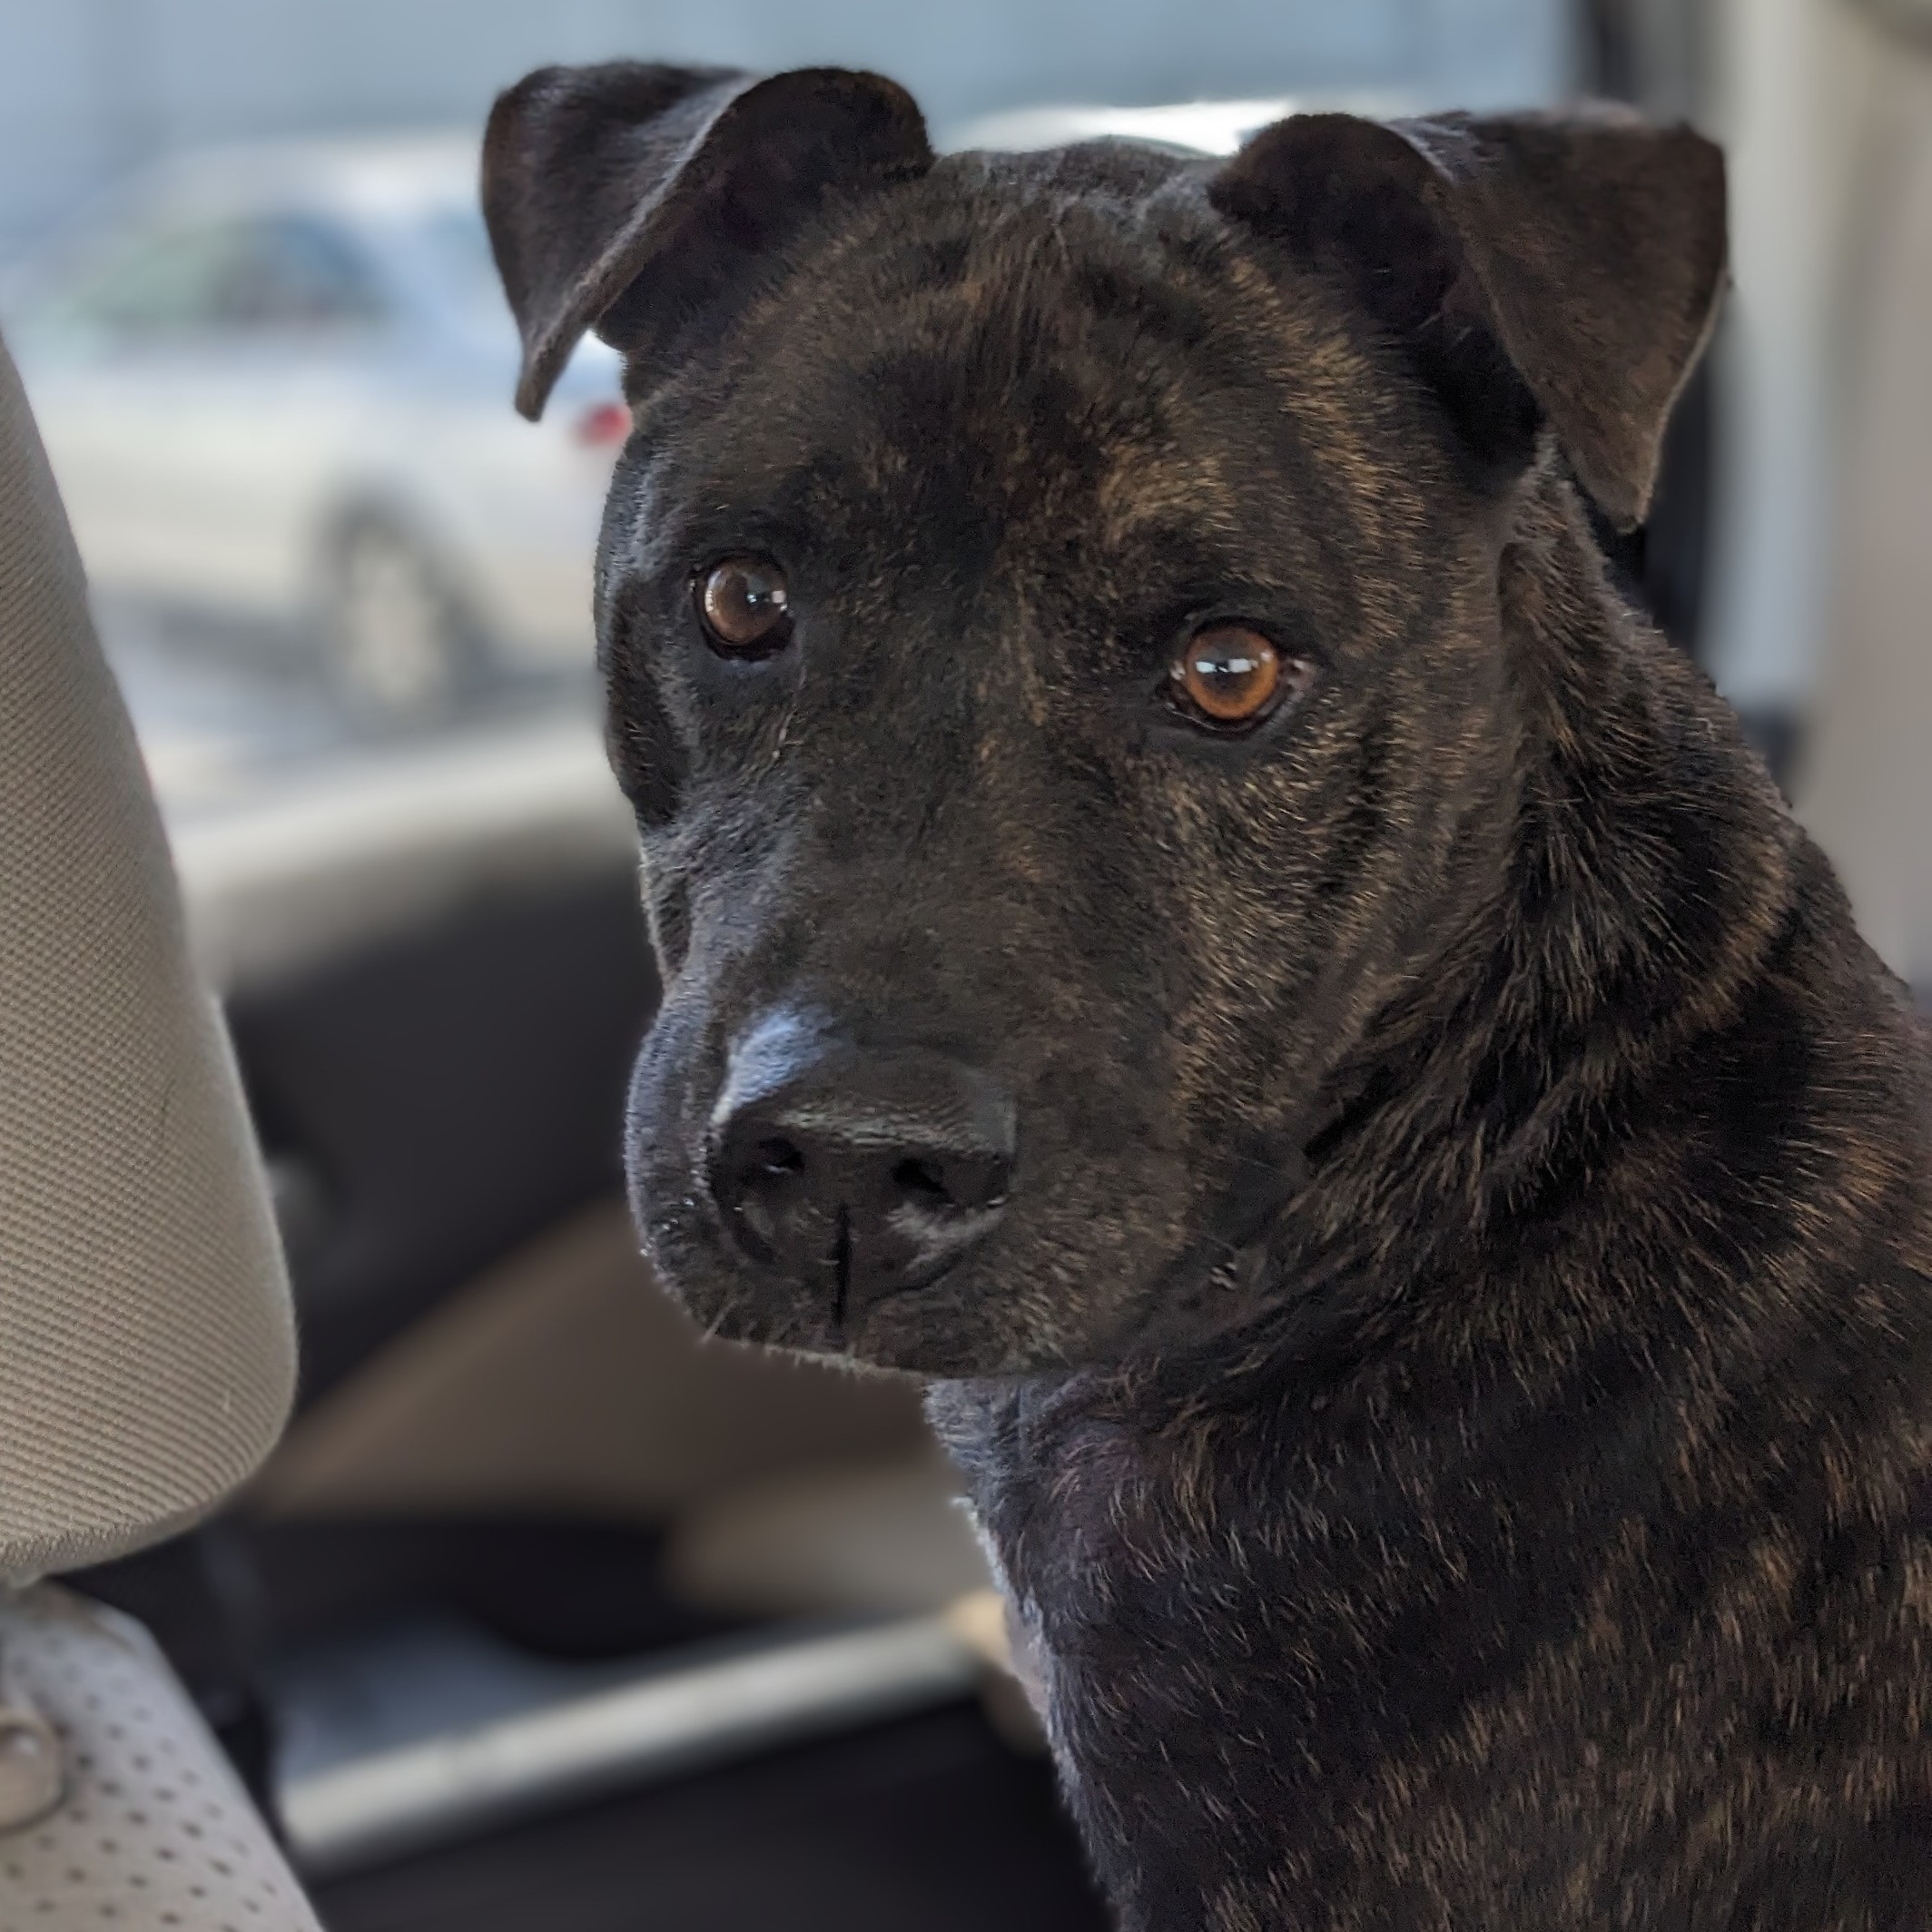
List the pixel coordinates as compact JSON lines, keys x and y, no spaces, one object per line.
{"x":156,"y":284}
{"x":280,"y":272}
{"x":293,"y":272}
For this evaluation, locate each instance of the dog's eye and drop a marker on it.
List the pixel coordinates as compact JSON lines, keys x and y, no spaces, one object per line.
{"x":744,"y":607}
{"x":1229,"y":676}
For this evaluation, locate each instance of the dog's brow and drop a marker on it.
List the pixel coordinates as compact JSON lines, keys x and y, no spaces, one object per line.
{"x":1156,"y":304}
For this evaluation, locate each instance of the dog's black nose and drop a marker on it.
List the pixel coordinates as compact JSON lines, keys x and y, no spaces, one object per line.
{"x":857,"y":1173}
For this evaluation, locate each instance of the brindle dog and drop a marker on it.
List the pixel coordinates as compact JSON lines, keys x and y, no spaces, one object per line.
{"x":1195,"y":918}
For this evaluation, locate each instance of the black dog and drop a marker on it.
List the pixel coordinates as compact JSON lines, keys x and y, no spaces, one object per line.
{"x":1194,"y":918}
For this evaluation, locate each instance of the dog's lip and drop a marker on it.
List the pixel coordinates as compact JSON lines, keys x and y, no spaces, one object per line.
{"x":854,"y":1319}
{"x":841,"y":1327}
{"x":1226,"y":1267}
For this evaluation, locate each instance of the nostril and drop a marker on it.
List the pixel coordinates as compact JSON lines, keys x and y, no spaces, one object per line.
{"x":778,"y":1157}
{"x":763,"y":1181}
{"x":956,"y":1183}
{"x":923,"y":1181}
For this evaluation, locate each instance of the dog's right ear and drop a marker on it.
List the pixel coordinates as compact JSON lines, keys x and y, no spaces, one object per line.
{"x":640,"y":200}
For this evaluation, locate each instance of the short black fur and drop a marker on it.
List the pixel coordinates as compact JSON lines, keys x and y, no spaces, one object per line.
{"x":1448,"y":1381}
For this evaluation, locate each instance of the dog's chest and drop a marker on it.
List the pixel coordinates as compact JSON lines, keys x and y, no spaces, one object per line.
{"x":1127,"y":1603}
{"x":1137,"y":1550}
{"x":1072,"y":1505}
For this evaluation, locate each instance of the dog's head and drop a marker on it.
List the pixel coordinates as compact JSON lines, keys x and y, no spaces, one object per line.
{"x":1050,"y":611}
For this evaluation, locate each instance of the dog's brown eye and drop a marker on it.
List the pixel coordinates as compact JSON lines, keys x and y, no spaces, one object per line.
{"x":744,"y":607}
{"x":1229,"y":676}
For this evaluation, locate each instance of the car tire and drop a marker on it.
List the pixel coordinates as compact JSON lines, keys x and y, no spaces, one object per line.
{"x":396,"y":645}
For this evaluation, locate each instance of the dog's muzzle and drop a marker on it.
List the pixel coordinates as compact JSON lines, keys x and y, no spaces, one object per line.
{"x":857,"y":1173}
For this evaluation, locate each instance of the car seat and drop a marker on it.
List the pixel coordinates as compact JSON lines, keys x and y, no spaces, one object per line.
{"x":146,"y":1339}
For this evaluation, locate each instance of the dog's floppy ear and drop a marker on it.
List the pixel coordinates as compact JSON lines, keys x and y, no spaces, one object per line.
{"x":1562,"y":268}
{"x":635,"y":199}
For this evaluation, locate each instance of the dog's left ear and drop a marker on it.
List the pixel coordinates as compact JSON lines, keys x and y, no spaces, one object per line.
{"x":644,"y":200}
{"x":1555,"y":268}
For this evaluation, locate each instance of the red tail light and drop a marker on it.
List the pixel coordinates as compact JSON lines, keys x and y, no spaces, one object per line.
{"x":602,"y":424}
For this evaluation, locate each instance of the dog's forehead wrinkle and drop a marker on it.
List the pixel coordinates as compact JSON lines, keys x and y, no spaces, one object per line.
{"x":966,"y":425}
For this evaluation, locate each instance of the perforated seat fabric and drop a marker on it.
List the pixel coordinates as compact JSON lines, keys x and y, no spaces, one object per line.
{"x":146,"y":1345}
{"x":154,"y":1832}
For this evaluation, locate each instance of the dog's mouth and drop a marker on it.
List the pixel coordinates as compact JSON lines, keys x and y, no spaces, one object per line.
{"x":909,"y":1294}
{"x":793,"y":1221}
{"x":1220,"y":1285}
{"x":1229,"y":1278}
{"x":947,"y":1311}
{"x":852,"y":1290}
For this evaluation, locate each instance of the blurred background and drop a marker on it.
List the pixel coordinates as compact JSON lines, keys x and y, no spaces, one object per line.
{"x":347,"y":592}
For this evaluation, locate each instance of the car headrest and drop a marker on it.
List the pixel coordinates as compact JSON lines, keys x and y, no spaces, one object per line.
{"x":147,"y":1356}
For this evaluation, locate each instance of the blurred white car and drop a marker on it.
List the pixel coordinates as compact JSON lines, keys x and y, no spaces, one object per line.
{"x":1195,"y":127}
{"x":275,"y":385}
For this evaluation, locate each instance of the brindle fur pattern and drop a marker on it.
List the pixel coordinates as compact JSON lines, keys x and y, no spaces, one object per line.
{"x":1451,"y":1398}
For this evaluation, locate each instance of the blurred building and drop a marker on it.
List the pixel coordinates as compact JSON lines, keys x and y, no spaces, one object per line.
{"x":1790,"y":545}
{"x":1864,"y":784}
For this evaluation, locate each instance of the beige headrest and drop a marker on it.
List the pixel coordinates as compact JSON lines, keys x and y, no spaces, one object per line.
{"x":147,"y":1341}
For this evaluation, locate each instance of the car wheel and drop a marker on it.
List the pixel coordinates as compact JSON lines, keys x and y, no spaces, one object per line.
{"x":395,"y":643}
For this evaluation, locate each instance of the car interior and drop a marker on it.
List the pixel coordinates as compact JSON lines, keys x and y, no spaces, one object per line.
{"x":379,"y":1549}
